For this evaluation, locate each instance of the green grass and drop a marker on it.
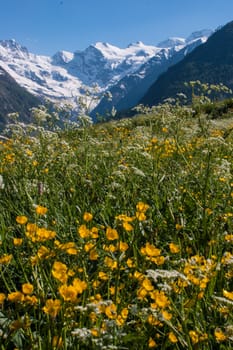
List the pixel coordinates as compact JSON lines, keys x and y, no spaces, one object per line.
{"x":118,"y":235}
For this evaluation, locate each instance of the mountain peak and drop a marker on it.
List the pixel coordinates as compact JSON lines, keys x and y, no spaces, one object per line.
{"x":62,"y":57}
{"x":171,"y":42}
{"x":13,"y":45}
{"x":199,"y":34}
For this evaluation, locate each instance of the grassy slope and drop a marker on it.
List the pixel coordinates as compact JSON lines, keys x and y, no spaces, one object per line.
{"x":180,"y":167}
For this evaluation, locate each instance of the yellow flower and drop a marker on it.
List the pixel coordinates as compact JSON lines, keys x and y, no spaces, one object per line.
{"x":95,"y":332}
{"x":68,"y":293}
{"x":150,"y":250}
{"x":152,"y":343}
{"x":174,"y":248}
{"x":147,"y":285}
{"x":194,"y":337}
{"x":69,"y":248}
{"x":21,"y":219}
{"x":142,"y":207}
{"x":94,"y":232}
{"x":87,"y":216}
{"x":83,"y":231}
{"x":111,"y":234}
{"x":88,"y":246}
{"x":166,"y":315}
{"x":60,"y":271}
{"x":5,"y":259}
{"x":41,"y":210}
{"x":130,"y":263}
{"x":228,"y":295}
{"x":109,"y":262}
{"x":79,"y":285}
{"x":31,"y":299}
{"x":17,"y":241}
{"x":179,"y":227}
{"x":111,"y":311}
{"x":103,"y":276}
{"x":172,"y":337}
{"x":140,"y":216}
{"x":128,"y":227}
{"x":93,"y":255}
{"x":16,"y":297}
{"x":160,"y":298}
{"x":2,"y":298}
{"x":44,"y":252}
{"x":219,"y":335}
{"x":52,"y":307}
{"x":123,"y":246}
{"x":27,"y":288}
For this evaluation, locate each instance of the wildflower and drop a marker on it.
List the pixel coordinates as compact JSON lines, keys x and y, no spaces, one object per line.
{"x":130,"y":263}
{"x":41,"y":210}
{"x":93,"y":255}
{"x":172,"y":337}
{"x":68,"y":293}
{"x":123,"y":246}
{"x":31,"y":299}
{"x":219,"y":335}
{"x":79,"y":285}
{"x":44,"y":252}
{"x":111,"y":234}
{"x":94,"y":232}
{"x":111,"y":311}
{"x":52,"y":307}
{"x":83,"y":231}
{"x":17,"y":241}
{"x":160,"y":298}
{"x":103,"y":276}
{"x":152,"y":343}
{"x":150,"y":250}
{"x":59,"y":271}
{"x":174,"y":248}
{"x":27,"y":288}
{"x":16,"y":297}
{"x":142,"y":207}
{"x":95,"y":332}
{"x":109,"y":262}
{"x":5,"y":259}
{"x":194,"y":337}
{"x":2,"y":298}
{"x":128,"y":227}
{"x":140,"y":216}
{"x":88,"y":246}
{"x":69,"y":248}
{"x":122,"y":317}
{"x":228,"y":295}
{"x":21,"y":219}
{"x":179,"y":227}
{"x":147,"y":285}
{"x":166,"y":315}
{"x":87,"y":217}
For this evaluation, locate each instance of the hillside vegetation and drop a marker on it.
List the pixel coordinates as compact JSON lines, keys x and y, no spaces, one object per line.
{"x":210,"y":62}
{"x":118,"y":235}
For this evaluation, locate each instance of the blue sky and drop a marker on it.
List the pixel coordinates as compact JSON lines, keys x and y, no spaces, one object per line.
{"x":46,"y":26}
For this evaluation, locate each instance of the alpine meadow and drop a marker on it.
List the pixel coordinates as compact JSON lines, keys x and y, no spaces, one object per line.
{"x":118,"y":234}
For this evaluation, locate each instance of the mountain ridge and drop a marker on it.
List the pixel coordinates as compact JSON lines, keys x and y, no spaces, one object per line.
{"x":62,"y":76}
{"x":211,"y":62}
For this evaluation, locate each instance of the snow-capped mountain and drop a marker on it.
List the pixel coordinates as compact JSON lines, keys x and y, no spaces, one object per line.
{"x":128,"y":91}
{"x":63,"y":77}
